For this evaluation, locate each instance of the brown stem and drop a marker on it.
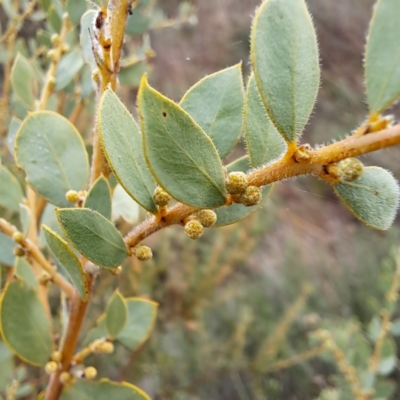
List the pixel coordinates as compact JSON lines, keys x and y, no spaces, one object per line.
{"x":283,"y":169}
{"x":76,"y":316}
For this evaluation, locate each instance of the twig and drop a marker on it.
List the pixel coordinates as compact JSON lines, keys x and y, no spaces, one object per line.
{"x":18,"y":20}
{"x":37,"y":255}
{"x":283,"y":169}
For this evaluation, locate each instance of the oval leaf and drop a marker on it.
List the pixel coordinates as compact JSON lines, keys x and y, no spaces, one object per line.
{"x":15,"y":123}
{"x":124,"y":206}
{"x":7,"y":245}
{"x":116,"y":314}
{"x":180,"y":155}
{"x":122,"y":145}
{"x":24,"y":324}
{"x":216,"y":104}
{"x":24,"y":271}
{"x":387,"y":357}
{"x":284,"y":55}
{"x":49,"y":218}
{"x":76,"y":8}
{"x":66,"y":257}
{"x":99,"y":198}
{"x":373,"y":198}
{"x":140,"y":322}
{"x":23,"y":81}
{"x":382,"y":67}
{"x":25,"y":218}
{"x":10,"y":190}
{"x":264,"y":143}
{"x":230,"y":214}
{"x":68,"y":67}
{"x":95,"y":237}
{"x":103,"y":390}
{"x":84,"y":37}
{"x":51,"y":151}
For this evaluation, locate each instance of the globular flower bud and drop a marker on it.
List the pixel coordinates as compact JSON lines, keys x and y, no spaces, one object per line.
{"x":51,"y":54}
{"x":66,"y":378}
{"x":350,"y":169}
{"x":18,"y":237}
{"x":144,"y":253}
{"x":56,"y":356}
{"x":55,"y":38}
{"x":207,"y":218}
{"x":90,"y":372}
{"x":106,"y":347}
{"x":65,"y":48}
{"x":251,"y":196}
{"x":44,"y":278}
{"x":72,"y":196}
{"x":116,"y":271}
{"x":194,"y":229}
{"x":19,"y":251}
{"x":161,"y":197}
{"x":51,"y":367}
{"x":236,"y":182}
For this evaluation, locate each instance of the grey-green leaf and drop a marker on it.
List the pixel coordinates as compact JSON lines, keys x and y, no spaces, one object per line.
{"x":216,"y":104}
{"x":122,"y":144}
{"x":124,"y":206}
{"x":94,"y":236}
{"x":15,"y":123}
{"x":373,"y":198}
{"x":284,"y":54}
{"x":140,"y":322}
{"x":67,"y":68}
{"x":52,"y":153}
{"x":70,"y":262}
{"x":25,"y":326}
{"x":235,"y":212}
{"x":84,"y":38}
{"x":76,"y":8}
{"x":264,"y":143}
{"x":23,"y":81}
{"x":103,"y":390}
{"x":24,"y":271}
{"x":7,"y":245}
{"x":382,"y":66}
{"x":49,"y":218}
{"x":99,"y":198}
{"x":116,"y":314}
{"x":10,"y":190}
{"x":25,"y":218}
{"x":180,"y":155}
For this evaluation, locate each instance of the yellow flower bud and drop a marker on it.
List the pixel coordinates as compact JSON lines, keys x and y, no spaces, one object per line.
{"x":90,"y":372}
{"x":251,"y":196}
{"x":236,"y":182}
{"x":72,"y":196}
{"x":66,"y":378}
{"x":18,"y":237}
{"x":44,"y":278}
{"x":19,"y":251}
{"x":161,"y":197}
{"x":144,"y":253}
{"x":56,"y":356}
{"x":207,"y":218}
{"x":350,"y":169}
{"x":51,"y":54}
{"x":55,"y":39}
{"x":106,"y":347}
{"x":194,"y":229}
{"x":51,"y":367}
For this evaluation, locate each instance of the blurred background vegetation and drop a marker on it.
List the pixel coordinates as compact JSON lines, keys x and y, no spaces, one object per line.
{"x":238,"y":308}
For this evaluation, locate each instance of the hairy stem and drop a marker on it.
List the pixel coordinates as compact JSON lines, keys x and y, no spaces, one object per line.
{"x":286,"y":168}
